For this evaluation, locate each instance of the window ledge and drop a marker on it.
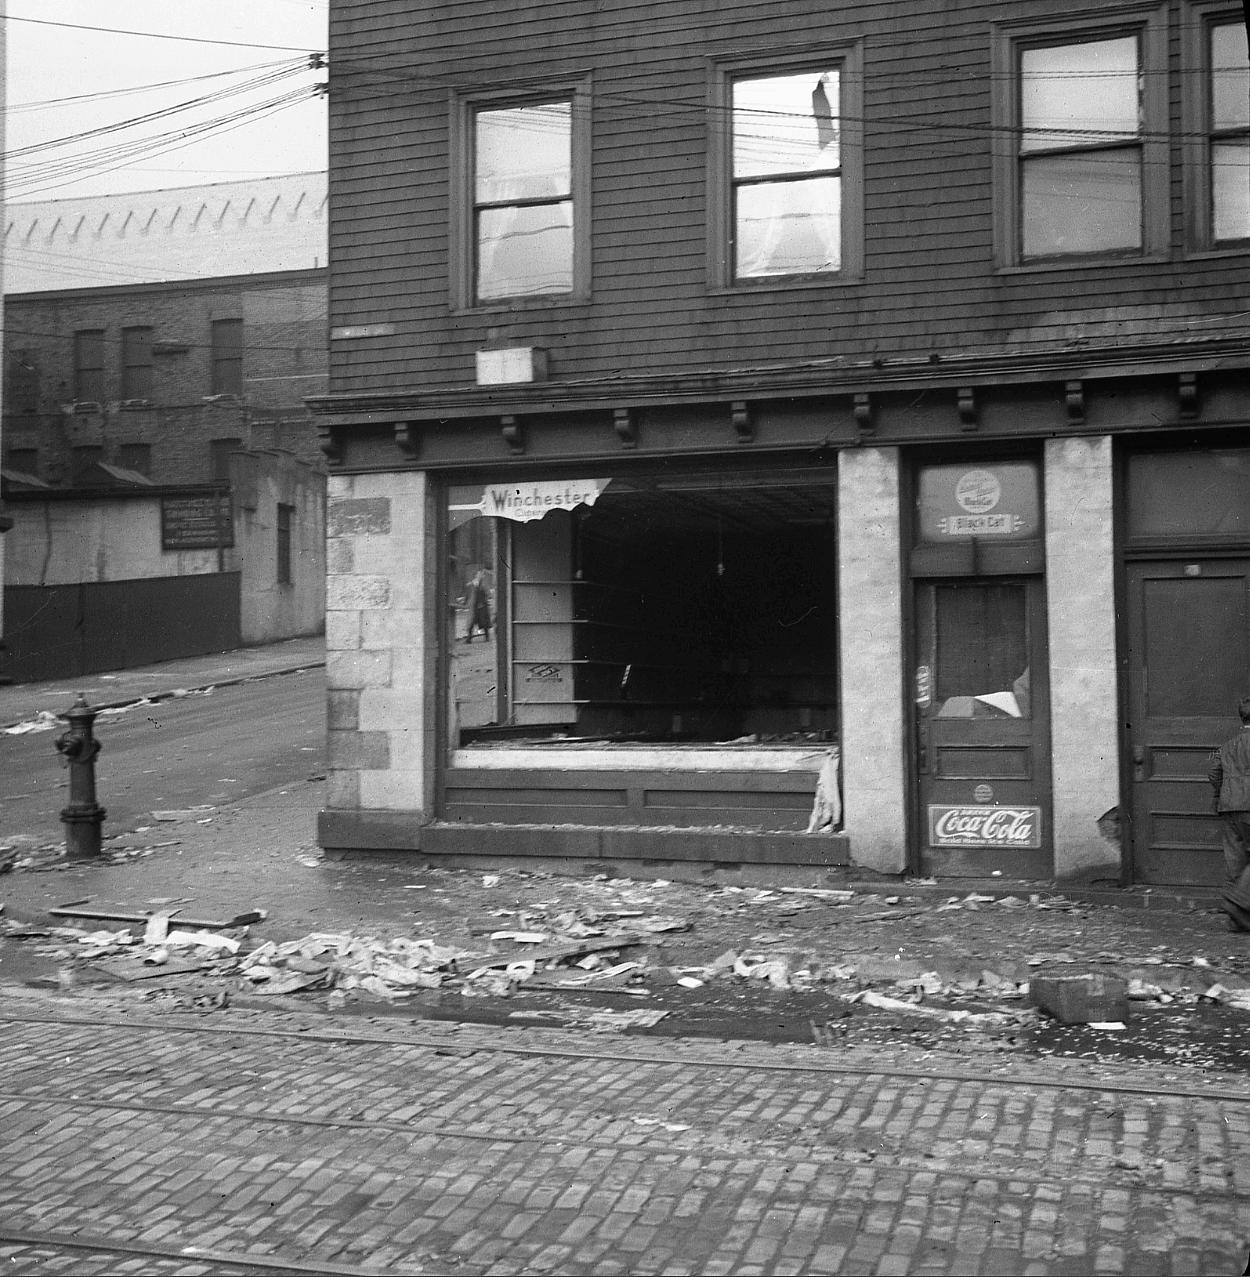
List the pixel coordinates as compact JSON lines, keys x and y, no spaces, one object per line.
{"x":521,"y":304}
{"x":1241,"y":249}
{"x":784,"y":285}
{"x":1082,"y":263}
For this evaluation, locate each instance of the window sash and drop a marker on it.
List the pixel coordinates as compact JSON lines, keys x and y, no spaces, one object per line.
{"x":136,"y":363}
{"x":1081,"y":202}
{"x":226,"y":375}
{"x":1228,"y":122}
{"x":1080,"y":155}
{"x":89,"y":365}
{"x":523,"y":213}
{"x":785,"y":161}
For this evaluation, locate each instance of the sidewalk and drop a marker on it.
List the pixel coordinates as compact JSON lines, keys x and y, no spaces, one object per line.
{"x":21,"y":702}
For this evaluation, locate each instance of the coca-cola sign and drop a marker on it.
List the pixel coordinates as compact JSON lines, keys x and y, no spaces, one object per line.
{"x":985,"y":826}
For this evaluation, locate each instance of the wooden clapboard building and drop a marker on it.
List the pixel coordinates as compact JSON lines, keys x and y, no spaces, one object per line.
{"x":798,"y":434}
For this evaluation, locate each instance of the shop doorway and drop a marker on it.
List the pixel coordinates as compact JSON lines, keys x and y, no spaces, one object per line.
{"x":1188,"y":665}
{"x":982,"y":750}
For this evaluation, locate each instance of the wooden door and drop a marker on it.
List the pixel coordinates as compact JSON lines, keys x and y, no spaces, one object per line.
{"x":982,"y":757}
{"x":1188,"y":665}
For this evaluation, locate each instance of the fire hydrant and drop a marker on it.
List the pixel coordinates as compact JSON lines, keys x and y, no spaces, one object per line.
{"x":78,"y":748}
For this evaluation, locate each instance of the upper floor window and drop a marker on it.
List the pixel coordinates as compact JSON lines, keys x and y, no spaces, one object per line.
{"x":227,"y":357}
{"x":89,"y":365}
{"x":1081,"y":148}
{"x":787,"y":175}
{"x":523,"y":206}
{"x":784,"y":173}
{"x":136,"y":363}
{"x":1228,"y":125}
{"x":1081,"y":140}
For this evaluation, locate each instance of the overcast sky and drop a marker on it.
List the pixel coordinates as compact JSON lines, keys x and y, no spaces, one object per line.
{"x":48,"y":62}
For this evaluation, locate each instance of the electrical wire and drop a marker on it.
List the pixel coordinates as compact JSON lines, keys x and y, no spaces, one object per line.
{"x":56,"y":174}
{"x":263,"y":80}
{"x":46,"y":103}
{"x":157,"y":35}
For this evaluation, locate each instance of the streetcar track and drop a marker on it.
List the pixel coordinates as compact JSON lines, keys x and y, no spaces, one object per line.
{"x":447,"y":1046}
{"x":708,"y":1144}
{"x":248,"y":1263}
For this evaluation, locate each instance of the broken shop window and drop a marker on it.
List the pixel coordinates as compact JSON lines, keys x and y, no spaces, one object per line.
{"x":683,"y":610}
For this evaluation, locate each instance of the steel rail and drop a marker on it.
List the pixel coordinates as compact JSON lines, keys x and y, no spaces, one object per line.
{"x":1166,"y":1087}
{"x":266,"y":1263}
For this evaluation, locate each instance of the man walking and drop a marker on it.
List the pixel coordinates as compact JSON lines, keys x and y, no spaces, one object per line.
{"x":1229,"y":775}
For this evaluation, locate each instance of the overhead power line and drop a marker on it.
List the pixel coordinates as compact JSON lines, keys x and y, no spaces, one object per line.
{"x":46,"y":103}
{"x":281,"y":72}
{"x":157,"y":35}
{"x":74,"y":169}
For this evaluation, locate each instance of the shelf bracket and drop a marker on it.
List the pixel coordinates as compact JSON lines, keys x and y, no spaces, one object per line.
{"x":969,"y":415}
{"x":513,"y":435}
{"x":1074,"y":401}
{"x":740,"y":415}
{"x":1187,"y":394}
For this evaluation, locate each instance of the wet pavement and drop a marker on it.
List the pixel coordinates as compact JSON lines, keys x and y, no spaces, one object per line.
{"x":949,"y":966}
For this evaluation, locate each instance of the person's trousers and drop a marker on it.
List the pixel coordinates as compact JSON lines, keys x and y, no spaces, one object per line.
{"x":1236,"y":831}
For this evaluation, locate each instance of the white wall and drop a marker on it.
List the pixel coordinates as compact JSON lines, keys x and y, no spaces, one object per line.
{"x":67,"y":542}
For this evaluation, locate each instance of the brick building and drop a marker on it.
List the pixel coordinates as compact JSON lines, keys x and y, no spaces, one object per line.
{"x":838,"y":410}
{"x":158,"y":334}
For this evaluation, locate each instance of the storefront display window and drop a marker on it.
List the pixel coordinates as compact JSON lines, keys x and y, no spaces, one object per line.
{"x":688,"y":610}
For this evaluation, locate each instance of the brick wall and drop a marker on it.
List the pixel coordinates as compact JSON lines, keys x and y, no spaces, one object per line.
{"x":284,"y":359}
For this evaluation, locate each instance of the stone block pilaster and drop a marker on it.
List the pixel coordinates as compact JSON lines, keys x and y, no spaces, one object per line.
{"x":874,"y":784}
{"x":1080,"y":610}
{"x":379,"y":655}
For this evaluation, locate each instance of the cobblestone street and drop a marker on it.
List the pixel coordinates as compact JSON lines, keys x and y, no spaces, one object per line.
{"x":262,"y":1142}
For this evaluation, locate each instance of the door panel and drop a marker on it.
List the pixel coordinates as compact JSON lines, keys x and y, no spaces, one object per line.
{"x":1187,"y":667}
{"x":982,"y":750}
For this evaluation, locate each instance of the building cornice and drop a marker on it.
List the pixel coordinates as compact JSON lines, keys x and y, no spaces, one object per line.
{"x":799,"y":381}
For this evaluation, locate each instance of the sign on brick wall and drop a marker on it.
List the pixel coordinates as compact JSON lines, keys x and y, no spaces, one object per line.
{"x":196,"y":522}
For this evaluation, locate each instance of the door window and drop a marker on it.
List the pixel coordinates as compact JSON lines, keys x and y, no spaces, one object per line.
{"x":981,"y":650}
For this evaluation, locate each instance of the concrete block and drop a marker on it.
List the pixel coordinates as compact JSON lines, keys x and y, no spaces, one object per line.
{"x":391,"y":627}
{"x":394,"y":791}
{"x":358,"y":669}
{"x":343,"y":711}
{"x":343,"y":631}
{"x":347,"y":593}
{"x":365,"y":750}
{"x":343,"y":790}
{"x":340,"y":555}
{"x":359,"y":516}
{"x":1080,"y":999}
{"x":398,"y":709}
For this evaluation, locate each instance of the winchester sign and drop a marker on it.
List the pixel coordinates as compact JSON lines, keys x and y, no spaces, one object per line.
{"x":979,"y":826}
{"x":526,"y":501}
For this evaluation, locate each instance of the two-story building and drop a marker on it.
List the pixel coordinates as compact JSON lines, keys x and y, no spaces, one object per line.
{"x":798,"y":435}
